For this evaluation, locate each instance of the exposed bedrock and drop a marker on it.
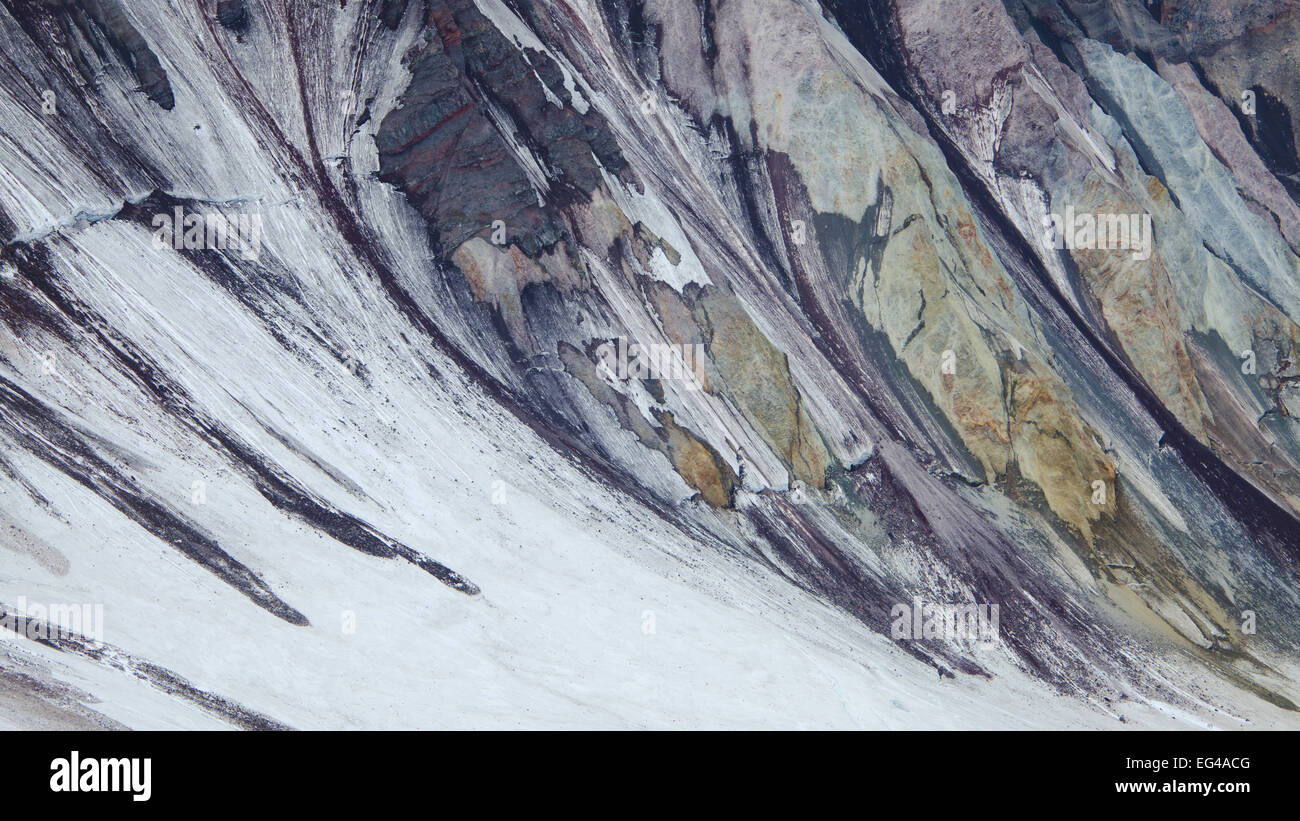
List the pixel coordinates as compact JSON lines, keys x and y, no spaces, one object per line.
{"x":486,"y":134}
{"x":818,"y":307}
{"x":889,"y":219}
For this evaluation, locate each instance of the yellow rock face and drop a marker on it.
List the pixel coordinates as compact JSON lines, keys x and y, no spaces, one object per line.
{"x":696,"y":465}
{"x":1056,"y":451}
{"x":757,"y":376}
{"x":1007,"y":409}
{"x":1138,"y":304}
{"x":920,"y":310}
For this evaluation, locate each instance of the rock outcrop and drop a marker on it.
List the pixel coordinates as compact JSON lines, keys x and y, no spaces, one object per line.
{"x":765,"y":316}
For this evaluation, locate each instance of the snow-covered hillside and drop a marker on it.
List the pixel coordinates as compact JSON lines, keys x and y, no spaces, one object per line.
{"x":636,"y":364}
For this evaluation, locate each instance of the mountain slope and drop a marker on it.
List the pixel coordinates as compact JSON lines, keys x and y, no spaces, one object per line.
{"x":466,"y":363}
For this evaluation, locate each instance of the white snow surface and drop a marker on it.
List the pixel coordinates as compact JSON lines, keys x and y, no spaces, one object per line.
{"x":593,"y":612}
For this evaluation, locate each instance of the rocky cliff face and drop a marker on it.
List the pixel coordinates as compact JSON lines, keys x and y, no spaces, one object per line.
{"x":603,"y":363}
